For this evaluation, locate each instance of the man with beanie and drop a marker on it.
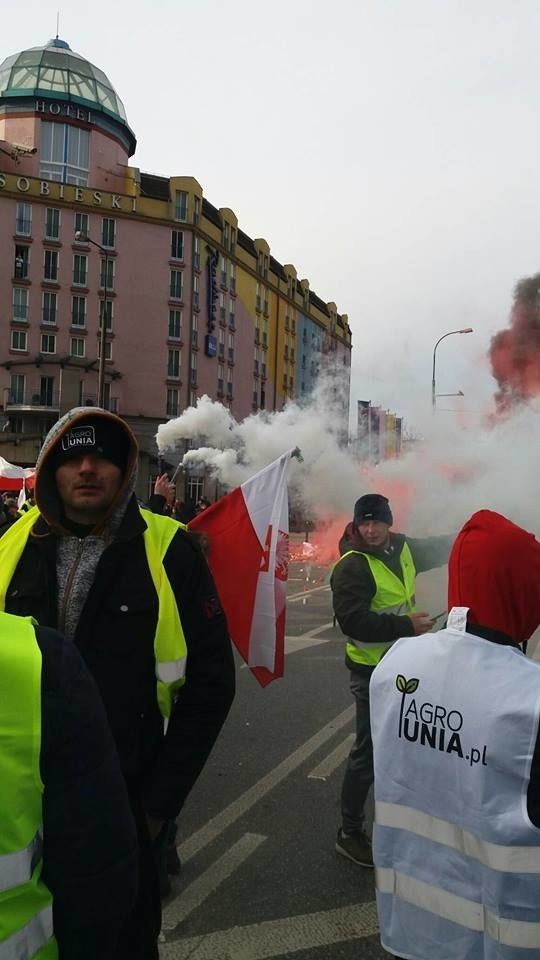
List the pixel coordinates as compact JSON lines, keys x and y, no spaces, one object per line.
{"x":134,"y":594}
{"x":373,"y":585}
{"x":455,"y":721}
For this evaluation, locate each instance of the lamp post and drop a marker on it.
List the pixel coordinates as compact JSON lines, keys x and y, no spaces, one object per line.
{"x":449,"y":334}
{"x":83,"y":238}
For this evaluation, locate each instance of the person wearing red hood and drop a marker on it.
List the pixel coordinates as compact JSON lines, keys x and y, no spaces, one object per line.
{"x":455,"y":724}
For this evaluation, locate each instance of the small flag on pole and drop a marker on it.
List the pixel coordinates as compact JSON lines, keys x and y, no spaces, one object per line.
{"x":248,"y":531}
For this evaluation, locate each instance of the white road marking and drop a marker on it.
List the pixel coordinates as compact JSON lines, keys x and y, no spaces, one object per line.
{"x":305,"y":593}
{"x":218,"y":824}
{"x":278,"y":938}
{"x":307,"y":639}
{"x":196,"y":893}
{"x":333,"y":760}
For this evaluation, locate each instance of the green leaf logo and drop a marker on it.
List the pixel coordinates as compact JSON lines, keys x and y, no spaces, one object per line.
{"x":411,"y":685}
{"x":401,"y":683}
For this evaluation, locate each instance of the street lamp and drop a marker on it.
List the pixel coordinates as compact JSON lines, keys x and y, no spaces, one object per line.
{"x":83,"y":238}
{"x":449,"y":334}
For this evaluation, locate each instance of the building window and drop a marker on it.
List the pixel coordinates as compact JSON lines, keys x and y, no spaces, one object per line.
{"x":196,"y":292}
{"x":175,"y":324}
{"x":52,"y":223}
{"x":106,"y":310}
{"x":232,"y":317}
{"x":172,"y":402}
{"x":175,"y":289}
{"x":81,"y":223}
{"x":223,"y":268}
{"x":196,"y":210}
{"x":255,"y":392}
{"x":50,"y":271}
{"x":108,"y":349}
{"x":225,"y":235}
{"x":220,"y":380}
{"x":194,"y":330}
{"x":23,"y":220}
{"x":20,"y":304}
{"x":222,"y":309}
{"x":108,"y":232}
{"x":46,"y":391}
{"x":48,"y":313}
{"x":173,"y":364}
{"x":78,"y":311}
{"x":64,"y":153}
{"x":77,"y":347}
{"x":265,"y":301}
{"x":48,"y":343}
{"x":195,"y":485}
{"x":80,"y":268}
{"x":221,"y":345}
{"x":193,"y":370}
{"x":17,"y":388}
{"x":196,"y":253}
{"x":258,"y":296}
{"x":106,"y":274}
{"x":181,"y":206}
{"x":177,"y":245}
{"x":232,"y":278}
{"x":230,"y":355}
{"x":18,"y":340}
{"x":22,"y":262}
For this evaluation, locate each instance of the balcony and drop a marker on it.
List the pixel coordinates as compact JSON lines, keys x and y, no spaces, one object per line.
{"x":31,"y":399}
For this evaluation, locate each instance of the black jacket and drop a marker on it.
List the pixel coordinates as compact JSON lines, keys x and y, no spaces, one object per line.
{"x":115,"y":637}
{"x":353,"y":586}
{"x":89,"y":838}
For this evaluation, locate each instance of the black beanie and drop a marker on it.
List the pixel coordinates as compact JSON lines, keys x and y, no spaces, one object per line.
{"x":372,"y":506}
{"x":100,"y":436}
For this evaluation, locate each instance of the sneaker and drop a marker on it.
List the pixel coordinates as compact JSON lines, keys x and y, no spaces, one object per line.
{"x":356,"y":848}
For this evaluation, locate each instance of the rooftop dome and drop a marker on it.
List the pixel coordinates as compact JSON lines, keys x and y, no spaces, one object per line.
{"x":56,"y":71}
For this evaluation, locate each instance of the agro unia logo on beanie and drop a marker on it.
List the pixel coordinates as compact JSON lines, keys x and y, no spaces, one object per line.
{"x":433,"y":725}
{"x":79,"y":438}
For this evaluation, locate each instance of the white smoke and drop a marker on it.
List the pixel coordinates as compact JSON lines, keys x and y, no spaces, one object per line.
{"x":454,"y":469}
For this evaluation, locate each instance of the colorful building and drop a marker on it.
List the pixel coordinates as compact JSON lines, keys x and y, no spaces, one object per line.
{"x":190,"y":304}
{"x":379,"y":433}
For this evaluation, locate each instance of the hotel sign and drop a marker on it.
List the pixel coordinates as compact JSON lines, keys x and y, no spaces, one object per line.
{"x":63,"y":110}
{"x":67,"y":192}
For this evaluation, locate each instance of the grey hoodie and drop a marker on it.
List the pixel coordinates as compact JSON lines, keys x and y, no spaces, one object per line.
{"x":77,"y":558}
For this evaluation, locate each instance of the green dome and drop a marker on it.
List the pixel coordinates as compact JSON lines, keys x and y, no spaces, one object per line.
{"x":55,"y":71}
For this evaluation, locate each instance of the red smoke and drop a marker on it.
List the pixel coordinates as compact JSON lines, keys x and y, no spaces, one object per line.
{"x":515,"y":352}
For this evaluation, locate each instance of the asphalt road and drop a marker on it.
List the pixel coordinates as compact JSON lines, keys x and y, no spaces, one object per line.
{"x":260,"y":876}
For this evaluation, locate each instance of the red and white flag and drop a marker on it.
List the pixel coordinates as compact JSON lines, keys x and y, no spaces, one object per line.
{"x":13,"y":477}
{"x":248,"y":531}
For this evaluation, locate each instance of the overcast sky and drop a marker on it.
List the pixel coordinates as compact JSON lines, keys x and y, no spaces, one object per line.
{"x":388,"y":149}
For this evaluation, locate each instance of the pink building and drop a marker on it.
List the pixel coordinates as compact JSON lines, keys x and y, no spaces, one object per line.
{"x":190,"y":304}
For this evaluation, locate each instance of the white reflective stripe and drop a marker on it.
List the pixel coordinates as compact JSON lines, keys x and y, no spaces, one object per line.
{"x":465,"y":913}
{"x":370,"y":646}
{"x":507,"y":859}
{"x":17,"y":868}
{"x":26,"y":942}
{"x":170,"y":670}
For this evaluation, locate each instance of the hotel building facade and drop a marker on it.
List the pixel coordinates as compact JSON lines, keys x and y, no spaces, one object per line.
{"x":191,"y":304}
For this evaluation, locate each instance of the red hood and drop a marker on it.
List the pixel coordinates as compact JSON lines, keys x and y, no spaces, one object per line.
{"x":494,"y":569}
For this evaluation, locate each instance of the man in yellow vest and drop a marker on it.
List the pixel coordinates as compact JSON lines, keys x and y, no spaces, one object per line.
{"x":373,"y":586}
{"x":135,"y":595}
{"x":68,"y":846}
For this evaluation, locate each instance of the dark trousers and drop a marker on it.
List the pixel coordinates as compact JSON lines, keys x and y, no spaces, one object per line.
{"x":139,"y":936}
{"x":359,"y":773}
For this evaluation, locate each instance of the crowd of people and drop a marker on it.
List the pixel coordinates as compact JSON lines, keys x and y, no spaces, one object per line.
{"x":117,"y":674}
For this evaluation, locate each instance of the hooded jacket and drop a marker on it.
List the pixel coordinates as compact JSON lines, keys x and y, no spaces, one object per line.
{"x":353,"y":586}
{"x":98,"y":587}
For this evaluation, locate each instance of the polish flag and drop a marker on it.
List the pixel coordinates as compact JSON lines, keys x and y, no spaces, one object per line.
{"x":248,"y":531}
{"x":13,"y":477}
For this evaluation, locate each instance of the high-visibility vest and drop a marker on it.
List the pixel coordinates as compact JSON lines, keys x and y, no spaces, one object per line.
{"x":170,"y":649}
{"x":454,"y":721}
{"x":392,"y":596}
{"x":26,"y":930}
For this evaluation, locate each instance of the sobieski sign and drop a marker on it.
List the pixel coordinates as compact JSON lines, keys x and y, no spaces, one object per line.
{"x":434,"y":725}
{"x":67,"y":192}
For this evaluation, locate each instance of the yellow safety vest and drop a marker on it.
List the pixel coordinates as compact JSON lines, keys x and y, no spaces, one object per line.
{"x":170,"y":649}
{"x":391,"y":596}
{"x":25,"y":902}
